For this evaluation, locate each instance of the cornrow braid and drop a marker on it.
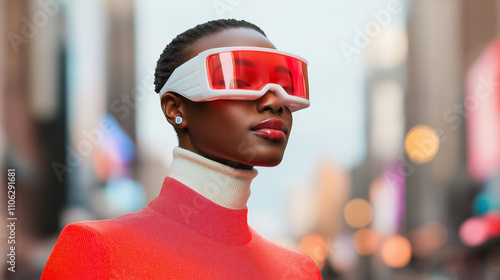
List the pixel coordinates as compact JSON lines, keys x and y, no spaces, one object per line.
{"x":175,"y":54}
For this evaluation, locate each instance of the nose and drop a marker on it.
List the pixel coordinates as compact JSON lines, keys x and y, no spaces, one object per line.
{"x":270,"y":102}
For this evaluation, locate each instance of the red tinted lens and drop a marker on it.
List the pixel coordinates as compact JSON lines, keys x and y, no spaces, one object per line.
{"x":252,"y":70}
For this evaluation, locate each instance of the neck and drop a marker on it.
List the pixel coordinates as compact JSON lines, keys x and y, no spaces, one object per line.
{"x":224,"y":185}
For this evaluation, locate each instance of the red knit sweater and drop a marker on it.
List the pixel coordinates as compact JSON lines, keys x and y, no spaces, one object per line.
{"x":179,"y":235}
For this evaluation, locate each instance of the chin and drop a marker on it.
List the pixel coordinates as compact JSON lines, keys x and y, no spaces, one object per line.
{"x":267,"y":162}
{"x":267,"y":156}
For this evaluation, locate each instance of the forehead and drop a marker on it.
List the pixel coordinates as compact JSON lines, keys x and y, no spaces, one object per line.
{"x":230,"y":38}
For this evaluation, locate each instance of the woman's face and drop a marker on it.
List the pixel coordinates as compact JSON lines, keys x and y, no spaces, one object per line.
{"x":225,"y":130}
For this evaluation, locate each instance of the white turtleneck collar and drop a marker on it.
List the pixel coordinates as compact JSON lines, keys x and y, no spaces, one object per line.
{"x":224,"y":185}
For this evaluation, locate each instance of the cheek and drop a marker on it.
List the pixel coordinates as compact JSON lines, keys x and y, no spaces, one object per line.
{"x":230,"y":112}
{"x":217,"y":105}
{"x":222,"y":120}
{"x":288,"y":118}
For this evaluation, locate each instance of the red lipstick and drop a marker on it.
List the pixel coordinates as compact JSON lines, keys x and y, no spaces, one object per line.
{"x":273,"y":129}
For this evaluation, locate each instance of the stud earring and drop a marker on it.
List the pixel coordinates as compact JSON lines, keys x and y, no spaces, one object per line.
{"x":178,"y":120}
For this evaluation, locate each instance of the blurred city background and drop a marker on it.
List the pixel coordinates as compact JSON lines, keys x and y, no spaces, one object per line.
{"x":392,"y":173}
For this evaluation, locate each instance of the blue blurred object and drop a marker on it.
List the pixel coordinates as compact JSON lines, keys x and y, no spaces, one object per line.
{"x":125,"y":195}
{"x":118,"y":141}
{"x":489,"y":198}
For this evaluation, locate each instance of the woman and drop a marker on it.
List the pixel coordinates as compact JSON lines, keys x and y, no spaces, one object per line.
{"x":229,"y":95}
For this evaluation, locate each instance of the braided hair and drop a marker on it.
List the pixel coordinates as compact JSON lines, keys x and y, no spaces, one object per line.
{"x":175,"y":54}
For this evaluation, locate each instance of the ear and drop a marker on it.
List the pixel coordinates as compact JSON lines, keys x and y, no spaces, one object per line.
{"x":174,"y":106}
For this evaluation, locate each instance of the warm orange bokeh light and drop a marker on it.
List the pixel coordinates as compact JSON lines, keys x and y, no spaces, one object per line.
{"x":422,"y":144}
{"x":103,"y":164}
{"x":396,"y":251}
{"x":429,"y":238}
{"x":332,"y":192}
{"x":365,"y":241}
{"x":435,"y":235}
{"x":316,"y":247}
{"x":358,"y":213}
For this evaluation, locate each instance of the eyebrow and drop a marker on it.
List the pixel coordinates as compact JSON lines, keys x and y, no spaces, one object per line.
{"x":244,"y":62}
{"x":282,"y":69}
{"x":238,"y":61}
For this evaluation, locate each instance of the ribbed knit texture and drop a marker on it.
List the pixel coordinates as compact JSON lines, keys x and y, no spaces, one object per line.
{"x":221,"y":184}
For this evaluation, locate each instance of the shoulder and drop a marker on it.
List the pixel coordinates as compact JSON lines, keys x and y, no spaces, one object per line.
{"x":79,"y":253}
{"x":105,"y":231}
{"x":84,"y":250}
{"x":115,"y":226}
{"x":296,"y":264}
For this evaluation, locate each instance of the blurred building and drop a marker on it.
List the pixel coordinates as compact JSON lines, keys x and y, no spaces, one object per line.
{"x":445,"y":40}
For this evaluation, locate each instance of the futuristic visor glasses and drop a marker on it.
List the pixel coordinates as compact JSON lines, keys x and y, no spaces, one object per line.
{"x":242,"y":73}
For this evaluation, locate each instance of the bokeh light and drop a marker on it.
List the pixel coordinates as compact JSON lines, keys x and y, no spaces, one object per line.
{"x":396,"y":251}
{"x":358,"y":213}
{"x":387,"y":198}
{"x":474,"y":231}
{"x":365,"y":241}
{"x":492,"y":219}
{"x":429,"y":238}
{"x":104,"y":164}
{"x":315,"y":246}
{"x":434,"y":234}
{"x":332,"y":191}
{"x":113,"y":152}
{"x":486,"y":200}
{"x":422,"y":144}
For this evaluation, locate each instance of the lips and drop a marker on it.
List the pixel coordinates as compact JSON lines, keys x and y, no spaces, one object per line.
{"x":273,"y":129}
